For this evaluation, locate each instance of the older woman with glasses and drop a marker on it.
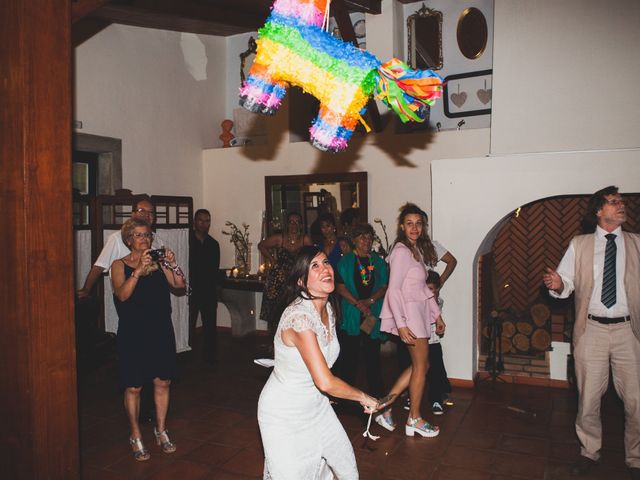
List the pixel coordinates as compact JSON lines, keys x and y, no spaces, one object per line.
{"x":146,"y":343}
{"x":361,"y":281}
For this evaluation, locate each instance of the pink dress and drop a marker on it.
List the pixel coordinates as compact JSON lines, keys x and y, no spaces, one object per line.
{"x":408,"y":302}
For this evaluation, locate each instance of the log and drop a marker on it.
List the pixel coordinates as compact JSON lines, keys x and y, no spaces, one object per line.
{"x":524,"y":327}
{"x":507,"y":346}
{"x":508,"y":329}
{"x":521,"y":342}
{"x":540,"y":314}
{"x":541,"y":340}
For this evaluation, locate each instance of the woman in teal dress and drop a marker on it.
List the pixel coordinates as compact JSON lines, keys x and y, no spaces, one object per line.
{"x":361,"y":281}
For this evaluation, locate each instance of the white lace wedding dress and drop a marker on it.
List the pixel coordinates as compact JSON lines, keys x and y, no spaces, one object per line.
{"x":302,"y":437}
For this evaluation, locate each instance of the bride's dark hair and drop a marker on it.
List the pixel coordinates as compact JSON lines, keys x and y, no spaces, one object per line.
{"x":296,"y":285}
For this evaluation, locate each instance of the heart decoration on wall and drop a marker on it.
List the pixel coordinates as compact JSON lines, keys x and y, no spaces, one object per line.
{"x":459,"y":98}
{"x":484,"y":94}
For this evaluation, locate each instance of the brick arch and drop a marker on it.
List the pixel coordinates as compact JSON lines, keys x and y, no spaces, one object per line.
{"x":534,"y":237}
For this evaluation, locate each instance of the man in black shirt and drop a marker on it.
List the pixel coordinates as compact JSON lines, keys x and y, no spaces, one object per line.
{"x":204,"y":265}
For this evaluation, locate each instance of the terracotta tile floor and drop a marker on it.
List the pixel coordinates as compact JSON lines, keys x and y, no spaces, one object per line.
{"x":212,"y":419}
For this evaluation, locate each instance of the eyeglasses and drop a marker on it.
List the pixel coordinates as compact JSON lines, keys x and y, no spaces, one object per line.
{"x":144,"y":210}
{"x":615,"y":202}
{"x":297,"y":222}
{"x":142,"y":235}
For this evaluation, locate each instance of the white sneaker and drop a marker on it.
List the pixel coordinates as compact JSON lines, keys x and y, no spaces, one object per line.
{"x":437,"y":409}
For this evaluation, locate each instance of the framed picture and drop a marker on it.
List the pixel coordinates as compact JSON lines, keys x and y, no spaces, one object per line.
{"x":468,"y":94}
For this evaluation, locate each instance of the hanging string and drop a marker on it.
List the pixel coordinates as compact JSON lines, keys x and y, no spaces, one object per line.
{"x":367,"y":433}
{"x":178,"y":271}
{"x":325,"y":19}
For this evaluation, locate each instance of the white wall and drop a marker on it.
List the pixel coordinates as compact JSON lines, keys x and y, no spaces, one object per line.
{"x":398,"y":171}
{"x":454,"y":62}
{"x":135,"y":84}
{"x":565,"y":75}
{"x":554,"y":92}
{"x":471,"y":195}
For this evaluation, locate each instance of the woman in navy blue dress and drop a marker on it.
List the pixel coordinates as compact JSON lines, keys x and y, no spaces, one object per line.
{"x":146,"y":341}
{"x":332,"y":246}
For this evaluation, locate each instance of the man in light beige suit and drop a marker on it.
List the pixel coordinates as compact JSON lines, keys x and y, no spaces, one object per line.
{"x":603,"y":268}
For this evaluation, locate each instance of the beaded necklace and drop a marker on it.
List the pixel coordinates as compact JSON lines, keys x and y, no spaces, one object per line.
{"x":366,"y":273}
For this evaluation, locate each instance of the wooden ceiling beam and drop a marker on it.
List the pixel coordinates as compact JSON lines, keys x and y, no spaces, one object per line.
{"x":183,"y":16}
{"x":82,"y":8}
{"x":367,"y":6}
{"x":86,"y":28}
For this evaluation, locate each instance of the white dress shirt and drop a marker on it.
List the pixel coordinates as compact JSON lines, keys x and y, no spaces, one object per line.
{"x":567,"y":266}
{"x":114,"y":249}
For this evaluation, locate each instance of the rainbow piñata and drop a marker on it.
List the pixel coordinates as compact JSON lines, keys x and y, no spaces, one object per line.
{"x":293,"y":49}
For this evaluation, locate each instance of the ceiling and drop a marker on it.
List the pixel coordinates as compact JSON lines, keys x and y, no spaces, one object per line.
{"x":210,"y":17}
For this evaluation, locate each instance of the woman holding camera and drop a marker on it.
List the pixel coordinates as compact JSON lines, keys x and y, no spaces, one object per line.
{"x":146,"y":342}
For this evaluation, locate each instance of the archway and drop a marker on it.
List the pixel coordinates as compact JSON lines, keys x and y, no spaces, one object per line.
{"x":471,"y":195}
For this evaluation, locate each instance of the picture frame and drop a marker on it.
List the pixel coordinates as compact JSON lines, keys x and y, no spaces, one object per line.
{"x":468,"y":94}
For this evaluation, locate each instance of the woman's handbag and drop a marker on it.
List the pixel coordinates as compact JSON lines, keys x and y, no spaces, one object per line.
{"x":367,"y":324}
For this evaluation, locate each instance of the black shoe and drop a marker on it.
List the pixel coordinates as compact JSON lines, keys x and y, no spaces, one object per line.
{"x":437,"y":409}
{"x":635,"y":473}
{"x":583,"y":466}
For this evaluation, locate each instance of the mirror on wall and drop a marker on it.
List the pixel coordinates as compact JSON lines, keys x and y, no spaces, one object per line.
{"x":246,"y":59}
{"x":311,"y":195}
{"x":472,"y":33}
{"x":425,"y":39}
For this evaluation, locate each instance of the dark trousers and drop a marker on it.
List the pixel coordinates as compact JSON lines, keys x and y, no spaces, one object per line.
{"x":208,"y":308}
{"x":437,"y":382}
{"x":402,"y":351}
{"x":350,"y":347}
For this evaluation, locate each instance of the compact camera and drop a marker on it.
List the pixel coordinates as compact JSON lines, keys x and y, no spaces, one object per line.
{"x":157,"y":254}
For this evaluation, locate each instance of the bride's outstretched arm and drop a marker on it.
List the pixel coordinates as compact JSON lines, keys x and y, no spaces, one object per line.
{"x":306,"y":342}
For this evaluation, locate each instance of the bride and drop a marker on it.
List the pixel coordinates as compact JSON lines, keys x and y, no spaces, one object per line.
{"x":301,"y":435}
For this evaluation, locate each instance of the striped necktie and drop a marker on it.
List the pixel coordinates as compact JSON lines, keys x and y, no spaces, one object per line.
{"x":608,"y":296}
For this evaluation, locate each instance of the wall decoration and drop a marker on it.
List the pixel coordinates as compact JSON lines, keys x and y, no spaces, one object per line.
{"x":226,"y":136}
{"x":294,"y":49}
{"x":246,"y":58}
{"x":468,"y":94}
{"x":360,"y":28}
{"x":472,"y":33}
{"x":424,"y":30}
